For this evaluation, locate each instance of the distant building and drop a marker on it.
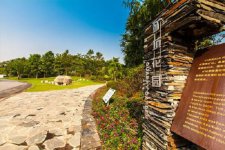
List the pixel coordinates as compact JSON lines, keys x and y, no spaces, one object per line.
{"x":2,"y":76}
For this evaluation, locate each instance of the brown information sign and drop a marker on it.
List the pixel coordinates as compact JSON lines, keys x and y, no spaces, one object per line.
{"x":200,"y":117}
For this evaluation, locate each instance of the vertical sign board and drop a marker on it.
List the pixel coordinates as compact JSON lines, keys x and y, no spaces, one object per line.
{"x":200,"y":116}
{"x":108,"y":95}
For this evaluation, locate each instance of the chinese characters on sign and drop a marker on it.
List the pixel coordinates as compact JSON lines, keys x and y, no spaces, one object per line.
{"x":147,"y":78}
{"x":153,"y":76}
{"x":156,"y":60}
{"x":200,"y":117}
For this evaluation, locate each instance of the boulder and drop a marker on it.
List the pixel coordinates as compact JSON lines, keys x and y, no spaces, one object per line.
{"x":63,"y":80}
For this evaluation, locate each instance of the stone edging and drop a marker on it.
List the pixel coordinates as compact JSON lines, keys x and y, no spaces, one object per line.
{"x":89,"y":134}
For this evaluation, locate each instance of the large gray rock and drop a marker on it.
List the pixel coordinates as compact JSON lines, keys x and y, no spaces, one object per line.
{"x":63,"y":80}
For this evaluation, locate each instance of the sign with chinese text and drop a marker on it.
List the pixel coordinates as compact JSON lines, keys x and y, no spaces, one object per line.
{"x":200,"y":116}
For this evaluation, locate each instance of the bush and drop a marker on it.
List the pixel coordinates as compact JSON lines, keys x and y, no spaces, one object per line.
{"x":131,"y":85}
{"x":120,"y":123}
{"x":121,"y":87}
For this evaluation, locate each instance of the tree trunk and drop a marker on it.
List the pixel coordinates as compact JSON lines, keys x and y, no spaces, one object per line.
{"x":36,"y":75}
{"x":18,"y":75}
{"x":114,"y":74}
{"x":66,"y":71}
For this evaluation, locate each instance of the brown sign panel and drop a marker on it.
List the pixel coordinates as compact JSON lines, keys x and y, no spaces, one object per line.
{"x":200,"y":116}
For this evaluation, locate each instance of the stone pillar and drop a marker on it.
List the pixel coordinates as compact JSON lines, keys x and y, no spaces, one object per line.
{"x":169,"y":51}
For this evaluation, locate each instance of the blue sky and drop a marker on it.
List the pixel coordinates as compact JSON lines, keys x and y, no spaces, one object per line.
{"x":36,"y":26}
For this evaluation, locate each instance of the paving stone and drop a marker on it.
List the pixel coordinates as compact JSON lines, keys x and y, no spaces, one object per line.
{"x":12,"y":147}
{"x":57,"y":131}
{"x":41,"y":117}
{"x":18,"y":139}
{"x":2,"y":140}
{"x":37,"y":138}
{"x":74,"y":141}
{"x":33,"y":147}
{"x":57,"y":142}
{"x":71,"y":130}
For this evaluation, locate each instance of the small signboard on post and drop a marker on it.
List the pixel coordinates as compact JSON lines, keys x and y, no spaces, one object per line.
{"x":108,"y":95}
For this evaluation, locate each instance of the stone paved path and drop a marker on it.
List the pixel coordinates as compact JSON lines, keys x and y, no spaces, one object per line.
{"x":43,"y":120}
{"x":9,"y":87}
{"x":7,"y":84}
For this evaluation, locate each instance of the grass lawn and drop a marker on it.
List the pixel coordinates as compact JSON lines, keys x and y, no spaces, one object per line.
{"x":38,"y":86}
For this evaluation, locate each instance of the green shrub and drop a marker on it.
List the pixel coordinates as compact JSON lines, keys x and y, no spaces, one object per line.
{"x":131,"y":85}
{"x":120,"y":123}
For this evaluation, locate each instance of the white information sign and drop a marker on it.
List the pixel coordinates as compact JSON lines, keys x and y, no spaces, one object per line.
{"x":108,"y":95}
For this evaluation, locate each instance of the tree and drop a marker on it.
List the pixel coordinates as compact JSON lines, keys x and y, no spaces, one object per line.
{"x":99,"y":56}
{"x":90,"y":53}
{"x":89,"y":64}
{"x":78,"y":65}
{"x":35,"y":64}
{"x":66,"y":61}
{"x":132,"y":42}
{"x":17,"y":66}
{"x":63,"y":63}
{"x":47,"y":61}
{"x":209,"y":41}
{"x":58,"y":66}
{"x":115,"y":69}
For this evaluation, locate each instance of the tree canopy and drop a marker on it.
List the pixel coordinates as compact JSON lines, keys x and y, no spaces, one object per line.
{"x":142,"y":12}
{"x":49,"y":64}
{"x":132,"y":42}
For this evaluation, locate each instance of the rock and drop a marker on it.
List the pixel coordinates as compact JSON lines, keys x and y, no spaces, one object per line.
{"x":30,"y":123}
{"x":57,"y":142}
{"x":12,"y":147}
{"x":63,"y":80}
{"x":18,"y":139}
{"x":33,"y":147}
{"x":71,"y":130}
{"x":2,"y":140}
{"x":68,"y":136}
{"x":57,"y":131}
{"x":74,"y":141}
{"x":18,"y":135}
{"x":37,"y":138}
